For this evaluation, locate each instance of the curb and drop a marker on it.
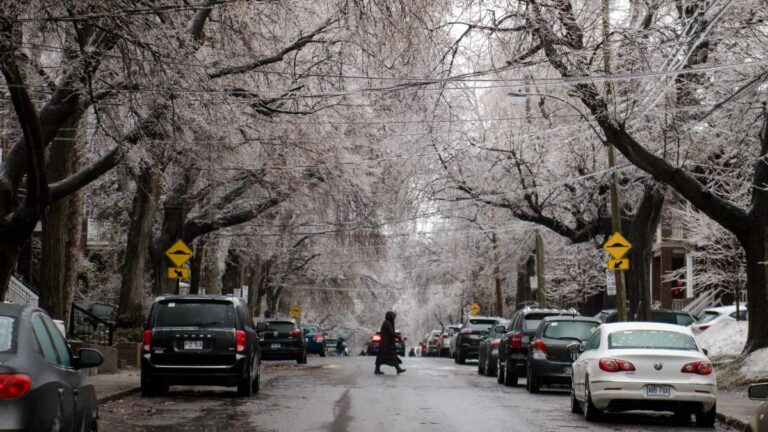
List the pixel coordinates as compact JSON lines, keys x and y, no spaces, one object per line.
{"x":731,"y":421}
{"x":117,"y":395}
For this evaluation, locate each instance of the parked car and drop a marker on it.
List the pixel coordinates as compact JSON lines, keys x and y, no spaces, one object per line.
{"x":434,"y":343}
{"x":373,"y":344}
{"x":644,"y":366}
{"x":513,"y":347}
{"x":41,"y":383}
{"x":468,"y":339}
{"x":759,"y":420}
{"x":660,"y":316}
{"x":549,"y":359}
{"x":282,"y":339}
{"x":200,"y":340}
{"x":489,"y":348}
{"x":449,"y":332}
{"x":315,"y":339}
{"x":718,"y":315}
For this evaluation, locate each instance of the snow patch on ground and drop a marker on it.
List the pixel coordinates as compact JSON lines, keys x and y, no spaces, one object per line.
{"x":725,"y":339}
{"x":756,"y":365}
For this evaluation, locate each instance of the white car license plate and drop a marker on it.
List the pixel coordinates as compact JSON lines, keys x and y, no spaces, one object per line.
{"x":567,"y":370}
{"x":193,"y":345}
{"x":658,"y":390}
{"x":275,"y":346}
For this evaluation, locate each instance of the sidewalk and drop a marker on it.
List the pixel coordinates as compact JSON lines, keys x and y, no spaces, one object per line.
{"x":735,"y":408}
{"x":115,"y":386}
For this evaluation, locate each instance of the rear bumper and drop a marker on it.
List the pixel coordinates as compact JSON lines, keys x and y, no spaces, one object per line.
{"x":192,"y":374}
{"x":282,"y":353}
{"x":16,"y":415}
{"x":316,"y":347}
{"x":551,"y":372}
{"x":625,"y":395}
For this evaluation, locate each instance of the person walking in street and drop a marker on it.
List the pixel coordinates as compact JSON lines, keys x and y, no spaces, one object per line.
{"x":387,"y":354}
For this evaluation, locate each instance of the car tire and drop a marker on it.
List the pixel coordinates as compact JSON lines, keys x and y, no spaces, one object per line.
{"x":460,"y":358}
{"x":480,"y":367}
{"x":510,"y":375}
{"x":256,"y":384}
{"x":499,"y":373}
{"x":532,"y":383}
{"x":322,"y":353}
{"x":490,"y":369}
{"x":245,"y":385}
{"x":591,"y":413}
{"x":707,"y":419}
{"x":575,"y":407}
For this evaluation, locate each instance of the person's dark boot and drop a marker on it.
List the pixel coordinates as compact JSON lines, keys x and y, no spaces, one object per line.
{"x":378,"y":372}
{"x":400,"y":370}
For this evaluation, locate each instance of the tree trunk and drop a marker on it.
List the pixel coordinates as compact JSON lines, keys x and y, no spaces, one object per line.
{"x":211,"y":272}
{"x":254,"y":288}
{"x":524,"y":272}
{"x":175,"y":210}
{"x":233,"y":272}
{"x":640,"y":230}
{"x":62,"y":224}
{"x":143,"y":213}
{"x":197,"y":266}
{"x":756,"y":250}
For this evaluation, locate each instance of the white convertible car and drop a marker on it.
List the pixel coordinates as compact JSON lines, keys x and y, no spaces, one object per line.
{"x":643,"y":366}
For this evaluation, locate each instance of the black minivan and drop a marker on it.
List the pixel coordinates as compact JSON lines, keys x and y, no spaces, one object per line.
{"x":200,"y":340}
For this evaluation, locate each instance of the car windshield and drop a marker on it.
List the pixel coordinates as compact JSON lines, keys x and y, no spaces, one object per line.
{"x":6,"y":333}
{"x":651,"y":339}
{"x":708,"y":316}
{"x":195,"y":314}
{"x":478,"y":324}
{"x":311,"y":328}
{"x":574,"y":330}
{"x":281,"y":326}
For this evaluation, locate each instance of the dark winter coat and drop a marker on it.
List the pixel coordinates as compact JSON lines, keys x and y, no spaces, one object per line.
{"x":387,"y":351}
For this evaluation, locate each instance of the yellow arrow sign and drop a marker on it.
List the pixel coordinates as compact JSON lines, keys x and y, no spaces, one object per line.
{"x":474,"y":309}
{"x":179,"y":253}
{"x":617,"y":246}
{"x":178,"y":273}
{"x":618,"y":264}
{"x":296,"y":311}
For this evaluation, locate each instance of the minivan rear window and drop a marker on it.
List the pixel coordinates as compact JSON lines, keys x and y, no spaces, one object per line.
{"x":195,"y":314}
{"x":282,"y":327}
{"x":6,"y":333}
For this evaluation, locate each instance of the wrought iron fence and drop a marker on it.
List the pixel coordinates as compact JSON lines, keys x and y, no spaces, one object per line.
{"x":88,"y":327}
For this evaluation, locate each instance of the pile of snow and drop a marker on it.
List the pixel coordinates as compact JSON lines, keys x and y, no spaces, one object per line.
{"x":755,"y":366}
{"x":726,"y":338}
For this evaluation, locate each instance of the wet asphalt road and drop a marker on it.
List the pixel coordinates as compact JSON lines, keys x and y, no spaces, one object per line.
{"x":342,"y":394}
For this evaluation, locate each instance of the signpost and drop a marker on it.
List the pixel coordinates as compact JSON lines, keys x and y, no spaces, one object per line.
{"x":617,"y":246}
{"x":179,"y":254}
{"x":296,"y":312}
{"x":474,"y":309}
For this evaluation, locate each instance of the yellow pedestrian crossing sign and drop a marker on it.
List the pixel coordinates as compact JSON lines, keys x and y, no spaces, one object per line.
{"x":618,"y":264}
{"x":474,"y":309}
{"x":179,"y":253}
{"x":296,"y":312}
{"x":617,"y":246}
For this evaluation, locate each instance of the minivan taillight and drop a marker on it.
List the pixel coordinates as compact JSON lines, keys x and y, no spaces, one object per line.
{"x":147,"y":340}
{"x":616,"y":365}
{"x":539,"y":350}
{"x":14,"y":386}
{"x":241,"y":340}
{"x":294,"y":332}
{"x":698,"y":368}
{"x":516,"y":341}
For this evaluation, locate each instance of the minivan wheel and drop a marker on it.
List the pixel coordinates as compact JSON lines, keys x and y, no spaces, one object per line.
{"x":510,"y":375}
{"x":245,"y":385}
{"x":257,"y":381}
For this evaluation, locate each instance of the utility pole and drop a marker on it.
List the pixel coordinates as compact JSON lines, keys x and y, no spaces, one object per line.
{"x":541,"y":292}
{"x":497,"y":275}
{"x":621,"y":291}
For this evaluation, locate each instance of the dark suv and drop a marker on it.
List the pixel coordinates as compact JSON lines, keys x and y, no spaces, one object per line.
{"x":468,"y":338}
{"x":549,"y":356}
{"x":199,"y":340}
{"x":282,"y":339}
{"x":513,"y":346}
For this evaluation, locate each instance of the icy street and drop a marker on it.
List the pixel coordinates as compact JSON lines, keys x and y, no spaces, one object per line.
{"x":342,"y":394}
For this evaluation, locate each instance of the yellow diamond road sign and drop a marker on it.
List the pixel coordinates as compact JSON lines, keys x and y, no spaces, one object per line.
{"x":474,"y":309}
{"x":296,"y":311}
{"x":178,"y":273}
{"x":179,"y":253}
{"x":618,"y":264}
{"x":617,"y":246}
